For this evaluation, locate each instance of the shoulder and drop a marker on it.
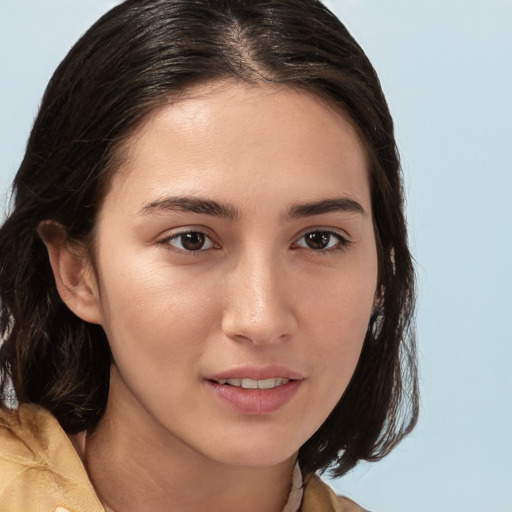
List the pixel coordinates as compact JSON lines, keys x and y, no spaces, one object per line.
{"x":319,"y":497}
{"x":26,"y":431}
{"x":39,"y":468}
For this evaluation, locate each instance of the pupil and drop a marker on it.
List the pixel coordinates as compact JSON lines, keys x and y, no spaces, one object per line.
{"x":192,"y":241}
{"x":317,"y":240}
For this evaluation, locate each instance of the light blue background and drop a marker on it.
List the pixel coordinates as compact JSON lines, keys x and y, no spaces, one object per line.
{"x":446,"y":67}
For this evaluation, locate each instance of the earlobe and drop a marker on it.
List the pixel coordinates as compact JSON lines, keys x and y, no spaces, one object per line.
{"x":73,"y":272}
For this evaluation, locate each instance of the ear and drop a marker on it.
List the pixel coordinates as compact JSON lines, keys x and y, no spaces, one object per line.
{"x":73,"y":272}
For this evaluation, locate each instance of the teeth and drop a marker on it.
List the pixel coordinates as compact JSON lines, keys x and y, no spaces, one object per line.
{"x":267,"y":384}
{"x":249,"y":384}
{"x":255,"y":384}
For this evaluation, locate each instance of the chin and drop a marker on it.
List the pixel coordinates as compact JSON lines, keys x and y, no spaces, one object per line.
{"x":252,"y":450}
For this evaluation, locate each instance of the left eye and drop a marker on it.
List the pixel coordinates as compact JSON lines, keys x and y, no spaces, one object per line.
{"x":321,"y":240}
{"x":191,"y":241}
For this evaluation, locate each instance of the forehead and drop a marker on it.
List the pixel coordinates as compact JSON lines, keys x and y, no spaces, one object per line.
{"x":264,"y":137}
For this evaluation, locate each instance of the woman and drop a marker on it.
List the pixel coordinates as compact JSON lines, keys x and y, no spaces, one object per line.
{"x":206,"y":286}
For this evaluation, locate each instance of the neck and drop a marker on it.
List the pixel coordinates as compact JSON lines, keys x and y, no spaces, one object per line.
{"x":135,"y":468}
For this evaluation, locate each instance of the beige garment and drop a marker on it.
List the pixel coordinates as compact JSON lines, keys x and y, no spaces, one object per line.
{"x":40,"y":471}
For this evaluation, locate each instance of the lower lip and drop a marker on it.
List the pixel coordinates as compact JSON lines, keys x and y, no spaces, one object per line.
{"x":255,"y":402}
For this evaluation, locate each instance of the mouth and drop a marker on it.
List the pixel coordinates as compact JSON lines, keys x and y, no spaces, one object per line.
{"x":255,"y":377}
{"x":255,"y":391}
{"x":254,"y":384}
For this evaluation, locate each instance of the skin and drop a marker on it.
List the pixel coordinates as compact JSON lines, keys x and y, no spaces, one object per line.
{"x":255,"y":294}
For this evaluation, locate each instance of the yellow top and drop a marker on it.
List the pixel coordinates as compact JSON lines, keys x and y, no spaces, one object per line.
{"x":40,"y":471}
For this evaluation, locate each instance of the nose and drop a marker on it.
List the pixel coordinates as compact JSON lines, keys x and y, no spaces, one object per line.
{"x":260,"y":301}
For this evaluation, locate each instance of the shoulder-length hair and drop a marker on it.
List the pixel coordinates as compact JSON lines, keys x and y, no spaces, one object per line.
{"x":136,"y":58}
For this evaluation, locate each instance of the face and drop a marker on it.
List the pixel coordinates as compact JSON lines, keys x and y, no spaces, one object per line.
{"x":236,"y":271}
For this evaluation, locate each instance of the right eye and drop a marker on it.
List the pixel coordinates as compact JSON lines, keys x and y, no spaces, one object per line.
{"x":190,"y":241}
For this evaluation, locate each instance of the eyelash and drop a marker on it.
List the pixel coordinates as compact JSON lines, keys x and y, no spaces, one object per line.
{"x":342,"y":242}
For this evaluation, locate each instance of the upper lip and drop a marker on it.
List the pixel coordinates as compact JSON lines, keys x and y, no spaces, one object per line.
{"x":256,"y":373}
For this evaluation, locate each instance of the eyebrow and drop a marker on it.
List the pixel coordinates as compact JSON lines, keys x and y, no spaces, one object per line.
{"x":339,"y":204}
{"x":230,"y":212}
{"x":191,"y":204}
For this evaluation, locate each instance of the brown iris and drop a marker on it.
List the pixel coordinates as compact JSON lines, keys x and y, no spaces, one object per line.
{"x":317,"y":240}
{"x":193,"y":241}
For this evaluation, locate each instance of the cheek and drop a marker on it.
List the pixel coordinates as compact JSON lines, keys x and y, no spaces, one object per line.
{"x":339,"y":340}
{"x":338,"y":317}
{"x":342,"y":301}
{"x":153,"y":312}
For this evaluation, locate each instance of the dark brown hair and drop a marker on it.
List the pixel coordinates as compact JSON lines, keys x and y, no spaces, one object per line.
{"x":134,"y":59}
